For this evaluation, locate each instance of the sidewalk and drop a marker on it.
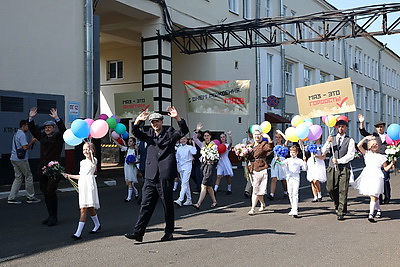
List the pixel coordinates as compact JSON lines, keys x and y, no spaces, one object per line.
{"x":106,"y":177}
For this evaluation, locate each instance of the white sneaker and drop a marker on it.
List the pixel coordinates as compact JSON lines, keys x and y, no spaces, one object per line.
{"x":178,"y":202}
{"x":251,"y":212}
{"x":291,"y":213}
{"x":188,"y":203}
{"x":262,"y":208}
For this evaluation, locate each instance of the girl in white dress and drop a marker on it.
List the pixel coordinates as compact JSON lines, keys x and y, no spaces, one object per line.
{"x":224,"y":166}
{"x":88,"y":196}
{"x":370,"y":181}
{"x":130,"y":168}
{"x":277,"y":172}
{"x":316,"y":171}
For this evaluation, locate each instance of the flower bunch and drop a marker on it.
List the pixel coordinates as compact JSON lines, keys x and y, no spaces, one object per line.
{"x":53,"y":169}
{"x":393,"y":152}
{"x":130,"y":159}
{"x":209,"y":153}
{"x":312,"y":148}
{"x":281,"y":151}
{"x":242,"y":150}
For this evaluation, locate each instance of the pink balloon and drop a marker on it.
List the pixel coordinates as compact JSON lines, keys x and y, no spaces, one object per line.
{"x":103,"y":117}
{"x":389,"y":140}
{"x":323,"y":119}
{"x":89,"y":121}
{"x":315,"y":132}
{"x":99,"y":128}
{"x":115,"y":135}
{"x":217,"y":142}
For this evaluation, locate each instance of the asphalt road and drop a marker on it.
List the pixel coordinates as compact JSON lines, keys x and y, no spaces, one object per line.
{"x":225,"y":236}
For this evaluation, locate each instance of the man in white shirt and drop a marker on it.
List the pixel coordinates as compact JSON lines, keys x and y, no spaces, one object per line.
{"x":341,"y":149}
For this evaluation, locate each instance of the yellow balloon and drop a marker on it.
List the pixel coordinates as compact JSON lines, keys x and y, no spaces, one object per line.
{"x":265,"y":126}
{"x":296,"y":120}
{"x":330,"y":121}
{"x":290,"y":134}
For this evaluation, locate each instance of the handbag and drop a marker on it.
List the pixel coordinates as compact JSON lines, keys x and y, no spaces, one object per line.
{"x":20,"y":151}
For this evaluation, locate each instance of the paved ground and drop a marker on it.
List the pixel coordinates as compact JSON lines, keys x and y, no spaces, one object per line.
{"x":225,"y":236}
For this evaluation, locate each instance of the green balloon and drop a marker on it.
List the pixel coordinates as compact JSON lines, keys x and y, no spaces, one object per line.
{"x":120,"y":128}
{"x":111,"y":122}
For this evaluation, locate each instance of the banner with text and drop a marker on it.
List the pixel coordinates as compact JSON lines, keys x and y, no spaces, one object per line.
{"x":129,"y":105}
{"x":326,"y":98}
{"x":223,"y":97}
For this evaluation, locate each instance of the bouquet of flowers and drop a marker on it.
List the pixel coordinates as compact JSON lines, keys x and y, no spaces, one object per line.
{"x":130,"y":159}
{"x":313,"y":149}
{"x":53,"y":169}
{"x":392,"y":152}
{"x":209,"y":153}
{"x":242,"y":150}
{"x":281,"y":151}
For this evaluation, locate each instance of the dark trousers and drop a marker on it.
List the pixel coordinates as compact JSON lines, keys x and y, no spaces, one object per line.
{"x":152,"y":190}
{"x":197,"y":176}
{"x":49,"y":186}
{"x":337,"y":185}
{"x":386,"y":186}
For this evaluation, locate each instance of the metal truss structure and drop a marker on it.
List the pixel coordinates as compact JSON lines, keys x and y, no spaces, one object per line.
{"x":269,"y":32}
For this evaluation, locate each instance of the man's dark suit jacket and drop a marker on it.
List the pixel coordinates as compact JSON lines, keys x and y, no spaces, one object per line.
{"x":160,"y":158}
{"x":381,"y":146}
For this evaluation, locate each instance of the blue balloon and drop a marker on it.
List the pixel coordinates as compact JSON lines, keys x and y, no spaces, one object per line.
{"x":120,"y":128}
{"x":302,"y":130}
{"x":80,"y":128}
{"x":71,"y":139}
{"x":125,"y":135}
{"x":394,"y":131}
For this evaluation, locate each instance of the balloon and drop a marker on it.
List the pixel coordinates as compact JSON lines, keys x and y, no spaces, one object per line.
{"x":217,"y":142}
{"x":255,"y":127}
{"x":309,"y":119}
{"x":302,"y":130}
{"x":103,"y":117}
{"x":114,"y":135}
{"x":125,"y":135}
{"x":111,"y":123}
{"x":265,"y":126}
{"x":120,"y":141}
{"x":290,"y":134}
{"x":71,"y":139}
{"x":315,"y":132}
{"x":80,"y":128}
{"x":116,"y":119}
{"x":393,"y":131}
{"x":308,"y":123}
{"x":221,"y":148}
{"x":389,"y":140}
{"x":120,"y":128}
{"x":99,"y":128}
{"x":323,"y":118}
{"x":296,"y":120}
{"x":305,"y":139}
{"x":342,"y":118}
{"x":89,"y":121}
{"x":330,"y":121}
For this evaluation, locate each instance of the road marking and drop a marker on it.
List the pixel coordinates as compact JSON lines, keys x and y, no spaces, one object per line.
{"x":211,"y":210}
{"x":12,"y":257}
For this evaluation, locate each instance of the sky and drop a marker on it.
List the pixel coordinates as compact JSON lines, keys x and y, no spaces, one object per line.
{"x":392,"y":41}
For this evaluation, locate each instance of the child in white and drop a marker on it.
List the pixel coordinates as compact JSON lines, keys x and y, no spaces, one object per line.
{"x":316,"y":172}
{"x":184,"y":158}
{"x":130,"y":169}
{"x":88,"y":196}
{"x":370,"y":181}
{"x":224,"y":166}
{"x":292,"y":167}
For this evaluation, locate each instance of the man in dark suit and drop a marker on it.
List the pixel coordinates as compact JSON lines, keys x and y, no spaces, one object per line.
{"x":161,"y":169}
{"x":380,"y":137}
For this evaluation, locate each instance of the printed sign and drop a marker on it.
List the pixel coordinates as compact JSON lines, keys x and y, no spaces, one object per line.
{"x":128,"y":105}
{"x":223,"y":97}
{"x":325,"y":98}
{"x":74,"y":110}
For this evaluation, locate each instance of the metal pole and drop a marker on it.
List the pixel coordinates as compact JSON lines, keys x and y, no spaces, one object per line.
{"x":89,"y":58}
{"x":380,"y":81}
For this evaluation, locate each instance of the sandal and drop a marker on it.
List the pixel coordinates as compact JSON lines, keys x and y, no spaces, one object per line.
{"x":213,"y":205}
{"x":196,"y":206}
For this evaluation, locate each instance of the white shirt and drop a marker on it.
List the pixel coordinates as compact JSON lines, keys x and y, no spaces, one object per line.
{"x":351,"y":150}
{"x":293,"y":167}
{"x":184,"y":155}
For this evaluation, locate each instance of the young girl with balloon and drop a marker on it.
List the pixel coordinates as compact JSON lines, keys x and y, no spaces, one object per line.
{"x":316,"y":169}
{"x":224,"y":166}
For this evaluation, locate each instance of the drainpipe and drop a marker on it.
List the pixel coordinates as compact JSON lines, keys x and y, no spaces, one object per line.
{"x":380,"y":81}
{"x":89,"y":58}
{"x":282,"y":48}
{"x":258,"y":83}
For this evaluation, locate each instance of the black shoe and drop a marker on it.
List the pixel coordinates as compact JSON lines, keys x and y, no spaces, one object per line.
{"x":134,"y":236}
{"x":127,"y":200}
{"x":52,"y":221}
{"x":270,"y":197}
{"x":371,"y":218}
{"x":246,"y":194}
{"x":386,"y":201}
{"x":96,"y":231}
{"x":340,"y":217}
{"x":285,"y":196}
{"x":320,"y":199}
{"x":314,"y":200}
{"x":296,"y":216}
{"x":75,"y":237}
{"x":45,"y":221}
{"x":167,"y":237}
{"x":228,"y":192}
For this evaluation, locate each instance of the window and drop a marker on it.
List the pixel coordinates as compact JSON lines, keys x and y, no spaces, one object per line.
{"x":360,"y":69}
{"x":358,"y":96}
{"x":13,"y":104}
{"x":367,"y":99}
{"x":304,"y":35}
{"x":321,"y":44}
{"x":373,"y":69}
{"x":115,"y":69}
{"x":388,"y":105}
{"x":285,"y":26}
{"x":311,"y":36}
{"x":269,"y":74}
{"x":323,"y":77}
{"x":268,"y":8}
{"x":340,"y":51}
{"x":368,"y":70}
{"x":334,"y":47}
{"x":365,"y":65}
{"x":375,"y":101}
{"x":326,"y":48}
{"x":394,"y":107}
{"x":233,"y":6}
{"x":293,"y":25}
{"x":289,"y":86}
{"x":351,"y":63}
{"x":307,"y":77}
{"x":44,"y":105}
{"x":356,"y":66}
{"x":247,"y":9}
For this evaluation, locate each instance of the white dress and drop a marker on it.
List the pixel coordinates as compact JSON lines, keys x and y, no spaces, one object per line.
{"x":277,"y":170}
{"x":224,"y":166}
{"x":88,"y":196}
{"x":130,"y":170}
{"x":370,"y":181}
{"x":316,"y":168}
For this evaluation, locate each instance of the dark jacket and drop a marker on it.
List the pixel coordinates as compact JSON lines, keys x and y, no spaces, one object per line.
{"x":50,"y":146}
{"x":381,"y":146}
{"x":257,"y":160}
{"x":160,"y":160}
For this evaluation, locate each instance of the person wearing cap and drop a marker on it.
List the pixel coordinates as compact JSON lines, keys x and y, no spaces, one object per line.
{"x":161,"y":169}
{"x":51,"y":145}
{"x":341,"y":150}
{"x":380,"y":136}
